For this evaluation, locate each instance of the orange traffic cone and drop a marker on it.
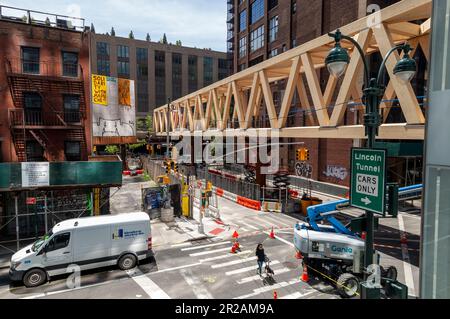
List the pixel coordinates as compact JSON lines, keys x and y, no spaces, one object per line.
{"x":305,"y":277}
{"x":233,"y":249}
{"x":275,"y":295}
{"x":272,"y":234}
{"x":298,"y":255}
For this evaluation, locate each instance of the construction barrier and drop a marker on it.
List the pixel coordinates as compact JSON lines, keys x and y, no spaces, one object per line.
{"x":249,"y":203}
{"x":275,"y":207}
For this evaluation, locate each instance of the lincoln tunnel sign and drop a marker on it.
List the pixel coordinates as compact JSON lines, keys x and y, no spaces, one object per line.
{"x":368,"y":179}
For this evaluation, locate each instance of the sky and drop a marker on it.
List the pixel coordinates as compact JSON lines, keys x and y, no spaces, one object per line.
{"x":197,"y":23}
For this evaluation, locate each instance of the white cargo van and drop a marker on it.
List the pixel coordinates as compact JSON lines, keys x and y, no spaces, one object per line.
{"x":89,"y":242}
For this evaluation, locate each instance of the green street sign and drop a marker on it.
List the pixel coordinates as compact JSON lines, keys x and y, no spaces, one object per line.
{"x":368,"y":179}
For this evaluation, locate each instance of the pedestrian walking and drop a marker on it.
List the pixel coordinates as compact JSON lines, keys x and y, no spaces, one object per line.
{"x":260,"y":257}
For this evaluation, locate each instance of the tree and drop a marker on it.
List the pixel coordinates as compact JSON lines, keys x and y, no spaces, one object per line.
{"x":92,"y":28}
{"x":112,"y":149}
{"x":148,"y":37}
{"x":149,"y":123}
{"x":164,"y":39}
{"x":113,"y":32}
{"x":178,"y":43}
{"x":131,"y":35}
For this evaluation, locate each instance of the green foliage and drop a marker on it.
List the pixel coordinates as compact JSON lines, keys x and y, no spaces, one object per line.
{"x":149,"y":122}
{"x":112,"y":149}
{"x":132,"y":147}
{"x":131,"y":35}
{"x":113,"y":32}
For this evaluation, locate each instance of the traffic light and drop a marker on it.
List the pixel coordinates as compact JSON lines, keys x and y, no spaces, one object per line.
{"x":302,"y":154}
{"x":168,"y":167}
{"x":175,"y":167}
{"x":298,"y":154}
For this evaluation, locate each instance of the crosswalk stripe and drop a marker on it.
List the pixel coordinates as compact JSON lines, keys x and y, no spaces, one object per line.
{"x":234,"y":262}
{"x":248,"y":225}
{"x":297,"y":295}
{"x":241,"y":270}
{"x":243,"y":229}
{"x":150,"y":288}
{"x":279,"y":221}
{"x":210,"y":251}
{"x":204,"y":246}
{"x":224,"y":256}
{"x":258,"y":277}
{"x":198,"y":288}
{"x":269,"y":288}
{"x":282,"y":240}
{"x":263,"y":222}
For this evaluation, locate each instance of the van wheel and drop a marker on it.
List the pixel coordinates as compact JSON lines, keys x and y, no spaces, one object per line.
{"x":34,"y":278}
{"x":127,"y":261}
{"x":348,"y":285}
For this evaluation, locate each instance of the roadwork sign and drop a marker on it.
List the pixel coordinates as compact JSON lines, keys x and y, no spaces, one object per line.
{"x":368,"y":179}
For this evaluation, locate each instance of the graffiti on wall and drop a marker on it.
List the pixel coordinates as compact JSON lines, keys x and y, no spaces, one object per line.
{"x":335,"y":171}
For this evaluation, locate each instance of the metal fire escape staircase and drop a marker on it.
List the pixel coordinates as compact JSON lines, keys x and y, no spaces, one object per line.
{"x":45,"y":86}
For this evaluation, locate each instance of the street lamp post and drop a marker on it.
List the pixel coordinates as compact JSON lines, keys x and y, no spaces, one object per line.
{"x":337,"y":61}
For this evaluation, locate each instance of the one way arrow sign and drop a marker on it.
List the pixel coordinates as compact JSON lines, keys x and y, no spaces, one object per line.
{"x":366,"y":200}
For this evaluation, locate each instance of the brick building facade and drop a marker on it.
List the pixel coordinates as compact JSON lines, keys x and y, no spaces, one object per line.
{"x":44,"y":92}
{"x":261,"y":29}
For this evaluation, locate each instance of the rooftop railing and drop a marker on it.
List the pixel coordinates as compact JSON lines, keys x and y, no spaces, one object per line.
{"x":41,"y":18}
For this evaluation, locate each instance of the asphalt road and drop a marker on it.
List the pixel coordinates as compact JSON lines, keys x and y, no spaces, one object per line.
{"x":197,"y":270}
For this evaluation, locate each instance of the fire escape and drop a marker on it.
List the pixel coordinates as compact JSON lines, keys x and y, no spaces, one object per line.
{"x":41,"y":125}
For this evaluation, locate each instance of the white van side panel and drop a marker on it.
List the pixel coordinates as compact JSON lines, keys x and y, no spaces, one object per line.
{"x":91,"y":243}
{"x":131,"y":237}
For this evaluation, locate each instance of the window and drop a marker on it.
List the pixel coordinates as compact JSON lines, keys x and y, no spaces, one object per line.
{"x":35,"y":152}
{"x":71,"y":108}
{"x":142,"y":55}
{"x":223,"y":68}
{"x":103,"y":64}
{"x":123,"y":51}
{"x":160,"y":77}
{"x":257,"y":39}
{"x":273,"y":29}
{"x":272,"y":4}
{"x":72,"y":151}
{"x":142,"y":63}
{"x":256,"y":61}
{"x":142,"y":96}
{"x":273,"y":53}
{"x":243,"y":20}
{"x":123,"y":69}
{"x":177,"y":72}
{"x":243,"y":47}
{"x":30,"y":60}
{"x":257,"y":10}
{"x":123,"y":61}
{"x":58,"y":242}
{"x":207,"y":71}
{"x":70,"y":64}
{"x":192,"y":74}
{"x":33,"y":108}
